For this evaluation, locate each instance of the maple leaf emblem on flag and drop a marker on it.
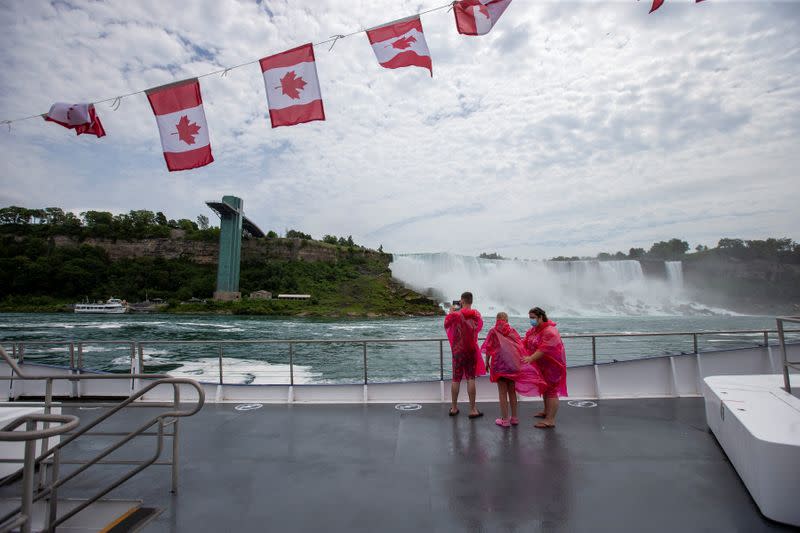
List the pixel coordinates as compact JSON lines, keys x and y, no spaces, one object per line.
{"x":405,"y":42}
{"x":291,"y":85}
{"x":186,"y":130}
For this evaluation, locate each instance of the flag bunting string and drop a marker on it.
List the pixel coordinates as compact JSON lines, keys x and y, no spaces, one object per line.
{"x":117,"y":100}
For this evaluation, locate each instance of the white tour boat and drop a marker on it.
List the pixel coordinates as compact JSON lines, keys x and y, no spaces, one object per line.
{"x":113,"y":306}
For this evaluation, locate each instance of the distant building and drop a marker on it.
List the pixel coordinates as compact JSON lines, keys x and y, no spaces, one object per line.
{"x":294,"y":297}
{"x":261,"y":295}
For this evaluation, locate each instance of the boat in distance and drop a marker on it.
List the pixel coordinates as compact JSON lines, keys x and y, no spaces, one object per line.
{"x":113,"y":306}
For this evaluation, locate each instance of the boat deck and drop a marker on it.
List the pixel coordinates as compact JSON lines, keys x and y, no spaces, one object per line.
{"x":625,"y":465}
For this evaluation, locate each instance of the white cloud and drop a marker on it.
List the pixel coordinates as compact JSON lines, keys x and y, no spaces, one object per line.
{"x":573,"y":128}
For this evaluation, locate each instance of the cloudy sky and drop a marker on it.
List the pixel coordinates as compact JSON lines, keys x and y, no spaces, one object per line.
{"x":574,"y":127}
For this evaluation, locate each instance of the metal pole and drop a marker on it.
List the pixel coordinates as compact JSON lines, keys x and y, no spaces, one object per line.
{"x":594,"y":350}
{"x":72,"y":355}
{"x":291,"y":363}
{"x":219,"y":354}
{"x":784,"y":362}
{"x":766,"y":338}
{"x":694,"y":340}
{"x":27,"y":479}
{"x":52,"y":509}
{"x":441,"y":360}
{"x":21,"y":353}
{"x":48,"y":402}
{"x":80,"y":356}
{"x":365,"y":363}
{"x":141,"y":359}
{"x":177,"y":390}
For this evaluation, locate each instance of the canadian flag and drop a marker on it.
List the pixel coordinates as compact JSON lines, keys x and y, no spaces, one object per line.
{"x":292,"y":87}
{"x":401,"y":44}
{"x":658,"y":3}
{"x":478,"y":17}
{"x":79,"y":117}
{"x":182,"y":124}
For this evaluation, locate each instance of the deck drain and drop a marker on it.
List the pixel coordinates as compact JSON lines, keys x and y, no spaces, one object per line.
{"x":408,"y":407}
{"x":582,"y":403}
{"x":248,"y":406}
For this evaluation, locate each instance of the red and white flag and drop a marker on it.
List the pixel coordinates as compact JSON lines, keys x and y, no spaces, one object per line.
{"x":401,"y":44}
{"x":182,"y":124}
{"x":292,"y":87}
{"x":658,"y":3}
{"x":79,"y":117}
{"x":478,"y":17}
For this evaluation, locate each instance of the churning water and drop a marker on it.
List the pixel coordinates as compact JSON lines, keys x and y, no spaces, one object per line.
{"x":331,"y":363}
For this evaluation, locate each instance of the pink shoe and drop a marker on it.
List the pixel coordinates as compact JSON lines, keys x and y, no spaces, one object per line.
{"x":502,"y":422}
{"x":514,"y":420}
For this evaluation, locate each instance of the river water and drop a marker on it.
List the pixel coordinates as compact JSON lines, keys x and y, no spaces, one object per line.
{"x":333,"y":363}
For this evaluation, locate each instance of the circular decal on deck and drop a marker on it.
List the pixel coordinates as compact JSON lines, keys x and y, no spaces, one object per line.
{"x":582,"y":403}
{"x":408,"y":407}
{"x":248,"y":406}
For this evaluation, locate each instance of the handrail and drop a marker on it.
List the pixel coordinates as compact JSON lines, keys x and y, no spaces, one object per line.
{"x":138,"y":347}
{"x":785,"y":363}
{"x":67,"y":423}
{"x":71,"y":424}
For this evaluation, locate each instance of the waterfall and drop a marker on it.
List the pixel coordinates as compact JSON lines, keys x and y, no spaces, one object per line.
{"x":674,"y":274}
{"x":571,"y":288}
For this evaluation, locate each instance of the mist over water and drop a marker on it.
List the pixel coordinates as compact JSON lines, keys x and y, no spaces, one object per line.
{"x":565,"y":288}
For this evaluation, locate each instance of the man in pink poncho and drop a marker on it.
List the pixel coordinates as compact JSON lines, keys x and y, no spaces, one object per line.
{"x":545,"y":350}
{"x":462,"y":325}
{"x":504,"y":353}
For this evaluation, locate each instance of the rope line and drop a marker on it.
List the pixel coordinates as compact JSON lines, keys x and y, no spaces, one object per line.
{"x":116,"y":101}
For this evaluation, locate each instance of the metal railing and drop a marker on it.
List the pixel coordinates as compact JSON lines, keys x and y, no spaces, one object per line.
{"x":52,"y":455}
{"x":138,"y":363}
{"x":30,"y":436}
{"x":785,"y":363}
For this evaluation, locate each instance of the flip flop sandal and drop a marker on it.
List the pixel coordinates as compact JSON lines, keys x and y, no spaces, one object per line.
{"x":453,"y":413}
{"x":514,"y":420}
{"x":476,"y":415}
{"x":502,"y":422}
{"x":544,"y":425}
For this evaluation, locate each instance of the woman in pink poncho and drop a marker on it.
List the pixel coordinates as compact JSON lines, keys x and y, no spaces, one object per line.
{"x":544,"y":349}
{"x":504,"y":352}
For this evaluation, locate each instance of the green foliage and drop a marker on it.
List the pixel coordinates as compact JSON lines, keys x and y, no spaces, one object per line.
{"x":294,"y":234}
{"x":493,"y":255}
{"x":672,"y":249}
{"x":272,"y":235}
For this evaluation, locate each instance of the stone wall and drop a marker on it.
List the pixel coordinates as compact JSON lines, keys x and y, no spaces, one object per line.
{"x":206,"y":252}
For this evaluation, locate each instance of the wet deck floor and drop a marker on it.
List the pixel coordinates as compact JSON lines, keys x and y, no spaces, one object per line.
{"x":625,"y":465}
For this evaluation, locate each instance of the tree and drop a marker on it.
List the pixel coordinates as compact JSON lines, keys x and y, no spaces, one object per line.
{"x":700,"y":248}
{"x":272,"y":235}
{"x":330,"y":239}
{"x":603,"y":256}
{"x":672,"y":249}
{"x":161,"y":219}
{"x":350,"y":241}
{"x":380,"y":248}
{"x":202,"y":222}
{"x":729,"y":244}
{"x":294,"y":234}
{"x":636,"y":253}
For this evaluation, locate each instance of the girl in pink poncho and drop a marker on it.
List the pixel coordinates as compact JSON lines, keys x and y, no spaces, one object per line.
{"x":545,"y":350}
{"x":504,"y":352}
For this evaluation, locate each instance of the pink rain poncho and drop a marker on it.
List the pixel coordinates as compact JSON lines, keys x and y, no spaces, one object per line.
{"x":553,"y":363}
{"x":462,"y":329}
{"x":505,"y":351}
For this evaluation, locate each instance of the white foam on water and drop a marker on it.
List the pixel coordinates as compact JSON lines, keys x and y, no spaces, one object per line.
{"x":243,"y":371}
